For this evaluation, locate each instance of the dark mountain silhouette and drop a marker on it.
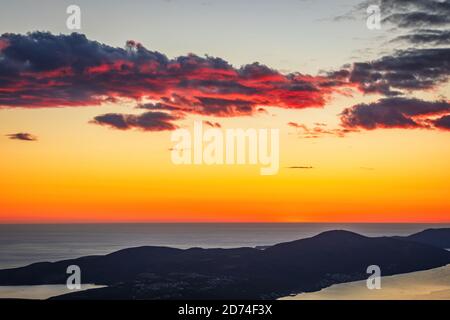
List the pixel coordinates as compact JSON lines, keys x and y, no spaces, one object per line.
{"x":240,"y":273}
{"x":435,"y":237}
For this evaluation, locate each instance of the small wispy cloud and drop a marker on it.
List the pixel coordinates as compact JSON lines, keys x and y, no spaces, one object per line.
{"x":22,"y":136}
{"x":300,"y":167}
{"x":319,"y":130}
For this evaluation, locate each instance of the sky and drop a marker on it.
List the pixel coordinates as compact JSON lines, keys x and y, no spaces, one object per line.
{"x":86,"y":119}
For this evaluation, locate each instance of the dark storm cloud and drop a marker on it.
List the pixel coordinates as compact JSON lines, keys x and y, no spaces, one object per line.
{"x":407,"y":70}
{"x":40,"y":69}
{"x":410,"y":15}
{"x":44,"y":70}
{"x":442,"y":122}
{"x":427,"y":36}
{"x":416,"y":13}
{"x":418,"y":19}
{"x":148,"y":121}
{"x":393,"y":113}
{"x":423,"y":22}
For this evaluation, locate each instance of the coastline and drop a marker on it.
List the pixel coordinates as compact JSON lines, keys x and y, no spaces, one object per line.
{"x":40,"y":292}
{"x":432,"y":284}
{"x":304,"y":265}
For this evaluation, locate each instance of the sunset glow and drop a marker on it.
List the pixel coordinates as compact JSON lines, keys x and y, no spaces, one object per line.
{"x":85,"y":126}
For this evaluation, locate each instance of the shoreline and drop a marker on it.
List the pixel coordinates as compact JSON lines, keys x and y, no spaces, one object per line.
{"x":40,"y":292}
{"x":431,"y":284}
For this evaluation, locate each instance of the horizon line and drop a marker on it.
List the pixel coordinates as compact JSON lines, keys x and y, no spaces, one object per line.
{"x":220,"y":222}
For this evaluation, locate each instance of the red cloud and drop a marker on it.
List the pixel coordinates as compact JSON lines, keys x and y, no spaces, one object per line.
{"x":46,"y":70}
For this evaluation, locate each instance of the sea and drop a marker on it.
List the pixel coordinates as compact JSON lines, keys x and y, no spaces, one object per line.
{"x":23,"y":244}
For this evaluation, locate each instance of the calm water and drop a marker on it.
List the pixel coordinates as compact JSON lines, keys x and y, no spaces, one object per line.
{"x":39,"y":292}
{"x":24,"y":244}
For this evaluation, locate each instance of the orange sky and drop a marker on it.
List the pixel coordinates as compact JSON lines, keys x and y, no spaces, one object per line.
{"x":79,"y":172}
{"x":297,"y":56}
